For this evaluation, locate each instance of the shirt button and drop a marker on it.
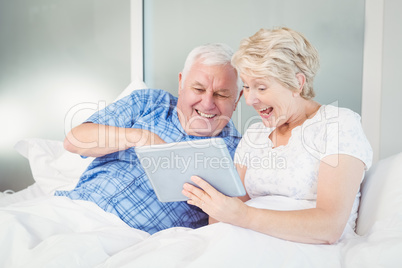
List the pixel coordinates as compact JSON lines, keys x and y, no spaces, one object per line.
{"x":137,"y":183}
{"x":114,"y":200}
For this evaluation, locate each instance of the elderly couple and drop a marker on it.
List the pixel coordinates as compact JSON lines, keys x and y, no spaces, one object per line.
{"x":274,"y":70}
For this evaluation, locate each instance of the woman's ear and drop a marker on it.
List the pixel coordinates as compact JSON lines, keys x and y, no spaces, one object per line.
{"x":302,"y":80}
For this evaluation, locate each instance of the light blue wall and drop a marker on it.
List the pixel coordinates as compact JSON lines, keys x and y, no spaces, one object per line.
{"x":391,"y":95}
{"x":55,"y":54}
{"x":335,"y":27}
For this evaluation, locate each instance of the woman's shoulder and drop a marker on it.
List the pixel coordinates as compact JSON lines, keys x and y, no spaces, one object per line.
{"x":335,"y":113}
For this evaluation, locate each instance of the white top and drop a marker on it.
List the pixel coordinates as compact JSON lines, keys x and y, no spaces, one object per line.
{"x":292,"y":170}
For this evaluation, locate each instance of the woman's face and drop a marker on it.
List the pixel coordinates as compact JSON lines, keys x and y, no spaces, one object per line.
{"x":273,"y":101}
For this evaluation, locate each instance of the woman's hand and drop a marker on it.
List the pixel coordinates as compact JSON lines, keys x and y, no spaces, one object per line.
{"x":96,"y":140}
{"x":216,"y":205}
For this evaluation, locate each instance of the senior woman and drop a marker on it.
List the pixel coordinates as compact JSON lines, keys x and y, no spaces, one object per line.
{"x":320,"y":151}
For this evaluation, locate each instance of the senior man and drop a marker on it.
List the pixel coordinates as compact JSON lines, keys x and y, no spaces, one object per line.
{"x":209,"y":91}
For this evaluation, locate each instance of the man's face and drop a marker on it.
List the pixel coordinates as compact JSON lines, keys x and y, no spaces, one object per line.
{"x":207,"y":98}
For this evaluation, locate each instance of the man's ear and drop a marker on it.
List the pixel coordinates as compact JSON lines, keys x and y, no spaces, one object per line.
{"x":180,"y":81}
{"x":241,"y":93}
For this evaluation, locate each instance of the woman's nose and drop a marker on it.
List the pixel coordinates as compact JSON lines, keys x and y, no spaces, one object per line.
{"x":251,"y":98}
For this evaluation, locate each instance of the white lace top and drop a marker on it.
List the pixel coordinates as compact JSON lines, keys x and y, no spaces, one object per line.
{"x":292,"y":170}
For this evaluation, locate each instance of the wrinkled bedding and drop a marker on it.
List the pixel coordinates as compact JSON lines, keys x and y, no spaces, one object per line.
{"x":59,"y":232}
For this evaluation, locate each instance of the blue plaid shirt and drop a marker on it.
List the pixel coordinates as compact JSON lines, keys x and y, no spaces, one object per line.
{"x":118,"y":184}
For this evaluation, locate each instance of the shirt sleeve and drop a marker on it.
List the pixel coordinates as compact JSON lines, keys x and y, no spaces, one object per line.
{"x":345,"y":135}
{"x":122,"y":113}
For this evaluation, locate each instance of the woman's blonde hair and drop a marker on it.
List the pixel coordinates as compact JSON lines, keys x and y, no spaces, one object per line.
{"x":280,"y":53}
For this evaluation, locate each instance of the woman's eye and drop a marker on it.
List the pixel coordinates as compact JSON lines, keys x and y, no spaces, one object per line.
{"x":261,"y":88}
{"x":246,"y":87}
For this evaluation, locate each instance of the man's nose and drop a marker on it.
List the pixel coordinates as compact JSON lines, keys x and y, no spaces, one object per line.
{"x":208,"y":101}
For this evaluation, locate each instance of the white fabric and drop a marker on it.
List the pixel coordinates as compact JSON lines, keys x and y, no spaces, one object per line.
{"x":53,"y":168}
{"x":59,"y":232}
{"x":381,"y":194}
{"x":31,"y":192}
{"x":292,"y":170}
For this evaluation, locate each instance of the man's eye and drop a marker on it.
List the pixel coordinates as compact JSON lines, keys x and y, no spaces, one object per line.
{"x":199,"y":89}
{"x":222,"y":96}
{"x":246,"y":87}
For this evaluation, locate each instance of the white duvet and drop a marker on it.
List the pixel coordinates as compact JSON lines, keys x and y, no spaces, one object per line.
{"x":59,"y":232}
{"x":40,"y":230}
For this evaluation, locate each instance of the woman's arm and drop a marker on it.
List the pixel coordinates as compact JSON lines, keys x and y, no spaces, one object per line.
{"x":90,"y":139}
{"x":338,"y":182}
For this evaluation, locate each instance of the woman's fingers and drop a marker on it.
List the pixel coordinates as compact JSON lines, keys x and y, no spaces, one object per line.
{"x":211,"y":201}
{"x":198,"y":196}
{"x":208,"y":188}
{"x":194,"y":194}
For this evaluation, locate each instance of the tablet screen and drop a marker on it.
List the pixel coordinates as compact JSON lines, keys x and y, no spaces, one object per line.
{"x":168,"y":166}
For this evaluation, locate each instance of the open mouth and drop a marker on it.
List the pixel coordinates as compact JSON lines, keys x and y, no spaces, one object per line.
{"x":209,"y":116}
{"x":266,"y":111}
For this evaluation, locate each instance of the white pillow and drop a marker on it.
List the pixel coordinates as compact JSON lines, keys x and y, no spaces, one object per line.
{"x":381,"y":193}
{"x":53,"y":168}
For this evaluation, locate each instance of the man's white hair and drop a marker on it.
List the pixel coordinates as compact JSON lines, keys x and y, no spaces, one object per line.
{"x":211,"y":54}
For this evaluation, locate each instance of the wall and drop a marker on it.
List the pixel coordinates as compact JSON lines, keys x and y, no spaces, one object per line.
{"x":391,"y":96}
{"x":54,"y":55}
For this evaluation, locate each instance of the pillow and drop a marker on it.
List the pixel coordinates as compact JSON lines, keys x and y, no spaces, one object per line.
{"x":381,"y":193}
{"x":53,"y":168}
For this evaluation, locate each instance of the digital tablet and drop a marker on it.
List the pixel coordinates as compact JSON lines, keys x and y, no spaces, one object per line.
{"x":168,"y":166}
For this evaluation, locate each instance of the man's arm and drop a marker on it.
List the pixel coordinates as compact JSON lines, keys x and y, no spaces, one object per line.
{"x":90,"y":139}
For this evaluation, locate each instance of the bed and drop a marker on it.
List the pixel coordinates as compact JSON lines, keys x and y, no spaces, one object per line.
{"x":38,"y":229}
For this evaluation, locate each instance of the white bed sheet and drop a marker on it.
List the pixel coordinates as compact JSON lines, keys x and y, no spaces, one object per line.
{"x":59,"y":232}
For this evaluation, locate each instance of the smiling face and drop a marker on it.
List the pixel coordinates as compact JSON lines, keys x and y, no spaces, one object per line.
{"x":275,"y":103}
{"x":208,"y":96}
